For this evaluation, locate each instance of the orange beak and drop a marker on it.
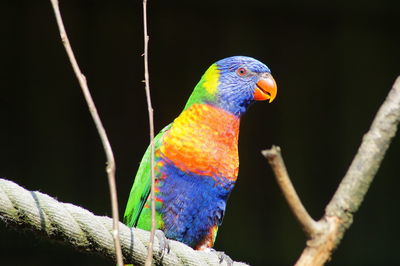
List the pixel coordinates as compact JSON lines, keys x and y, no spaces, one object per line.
{"x":266,"y":89}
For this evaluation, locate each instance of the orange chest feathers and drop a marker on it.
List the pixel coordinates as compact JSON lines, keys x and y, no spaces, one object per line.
{"x":203,"y":140}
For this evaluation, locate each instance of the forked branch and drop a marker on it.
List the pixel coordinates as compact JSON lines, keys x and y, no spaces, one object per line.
{"x":351,"y":191}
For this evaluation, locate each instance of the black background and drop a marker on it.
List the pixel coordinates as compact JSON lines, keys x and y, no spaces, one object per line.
{"x":334,"y":62}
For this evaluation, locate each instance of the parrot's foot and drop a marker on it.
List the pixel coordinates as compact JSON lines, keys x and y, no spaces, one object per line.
{"x":222,"y":256}
{"x":163,"y":242}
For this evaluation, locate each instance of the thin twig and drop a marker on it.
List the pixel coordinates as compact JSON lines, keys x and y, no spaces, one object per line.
{"x":149,"y":258}
{"x":110,"y":169}
{"x":274,"y":158}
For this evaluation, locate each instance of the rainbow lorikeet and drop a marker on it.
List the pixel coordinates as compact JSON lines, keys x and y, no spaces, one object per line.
{"x":196,"y":156}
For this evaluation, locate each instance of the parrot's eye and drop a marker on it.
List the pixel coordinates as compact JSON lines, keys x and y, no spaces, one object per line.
{"x":241,"y":71}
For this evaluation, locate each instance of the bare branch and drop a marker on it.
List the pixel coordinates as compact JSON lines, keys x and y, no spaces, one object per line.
{"x":274,"y":158}
{"x":351,"y":191}
{"x":110,"y":169}
{"x":362,"y":170}
{"x":151,"y":123}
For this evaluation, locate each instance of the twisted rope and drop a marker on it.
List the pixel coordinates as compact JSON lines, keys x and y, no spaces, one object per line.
{"x":85,"y":231}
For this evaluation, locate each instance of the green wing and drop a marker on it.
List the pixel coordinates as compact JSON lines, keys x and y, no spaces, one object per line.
{"x":142,"y":184}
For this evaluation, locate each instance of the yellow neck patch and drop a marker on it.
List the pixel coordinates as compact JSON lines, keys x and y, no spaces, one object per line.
{"x":211,"y":79}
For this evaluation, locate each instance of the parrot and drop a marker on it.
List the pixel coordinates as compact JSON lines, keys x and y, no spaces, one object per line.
{"x":196,"y":159}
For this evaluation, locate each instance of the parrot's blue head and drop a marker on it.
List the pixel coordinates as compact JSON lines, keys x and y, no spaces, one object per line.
{"x":243,"y":80}
{"x":234,"y":83}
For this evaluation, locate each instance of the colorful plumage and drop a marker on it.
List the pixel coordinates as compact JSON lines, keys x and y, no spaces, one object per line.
{"x":196,"y":156}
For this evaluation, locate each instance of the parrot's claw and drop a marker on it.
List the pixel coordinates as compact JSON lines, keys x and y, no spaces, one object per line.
{"x":163,"y":242}
{"x":222,"y":256}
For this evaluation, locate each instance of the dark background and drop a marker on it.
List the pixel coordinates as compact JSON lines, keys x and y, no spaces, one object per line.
{"x":334,"y":62}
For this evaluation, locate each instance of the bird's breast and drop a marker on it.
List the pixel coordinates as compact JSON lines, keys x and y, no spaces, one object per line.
{"x":203,"y":140}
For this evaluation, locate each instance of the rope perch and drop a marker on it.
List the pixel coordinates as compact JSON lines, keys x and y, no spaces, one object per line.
{"x":85,"y":231}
